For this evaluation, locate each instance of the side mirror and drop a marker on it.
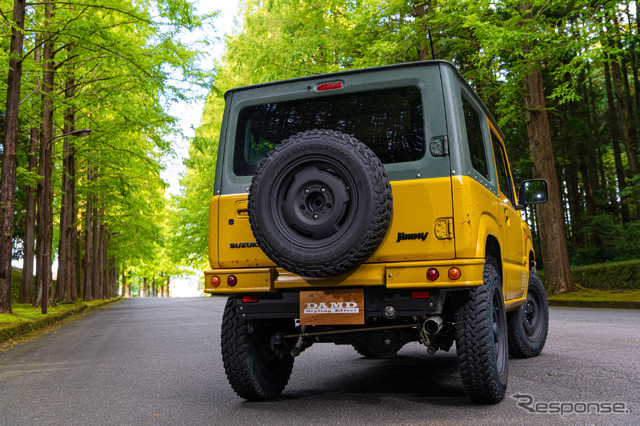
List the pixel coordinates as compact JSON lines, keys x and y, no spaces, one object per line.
{"x":533,"y":191}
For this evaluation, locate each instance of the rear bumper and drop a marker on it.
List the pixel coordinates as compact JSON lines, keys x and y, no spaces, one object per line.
{"x":401,"y":275}
{"x":286,"y":304}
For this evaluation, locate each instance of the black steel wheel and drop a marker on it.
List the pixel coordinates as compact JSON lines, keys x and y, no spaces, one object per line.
{"x":320,"y":203}
{"x":481,"y":341}
{"x":255,"y":371}
{"x":529,"y":325}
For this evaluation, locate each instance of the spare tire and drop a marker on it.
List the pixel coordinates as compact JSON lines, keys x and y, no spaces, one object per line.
{"x":320,"y":203}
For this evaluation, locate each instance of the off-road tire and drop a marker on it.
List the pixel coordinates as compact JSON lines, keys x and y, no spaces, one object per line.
{"x":255,"y":372}
{"x":529,"y":325}
{"x":481,"y":341}
{"x":320,"y":203}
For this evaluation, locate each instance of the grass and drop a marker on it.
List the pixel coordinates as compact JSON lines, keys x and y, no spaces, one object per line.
{"x":594,"y":295}
{"x":23,"y":312}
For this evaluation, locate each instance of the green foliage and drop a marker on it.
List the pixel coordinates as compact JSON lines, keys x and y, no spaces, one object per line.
{"x":613,"y":299}
{"x":25,"y":312}
{"x":116,"y":63}
{"x":190,"y":217}
{"x":494,"y":44}
{"x":621,"y":275}
{"x":16,"y":282}
{"x":605,"y":276}
{"x":617,"y":242}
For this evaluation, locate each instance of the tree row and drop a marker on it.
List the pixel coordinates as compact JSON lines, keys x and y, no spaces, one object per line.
{"x":85,"y":134}
{"x":562,"y":78}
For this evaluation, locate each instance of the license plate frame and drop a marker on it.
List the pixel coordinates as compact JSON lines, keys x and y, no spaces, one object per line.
{"x":332,"y":307}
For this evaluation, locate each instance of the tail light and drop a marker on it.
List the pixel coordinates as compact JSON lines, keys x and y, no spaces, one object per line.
{"x":454,"y":273}
{"x":214,"y":281}
{"x":433,"y":274}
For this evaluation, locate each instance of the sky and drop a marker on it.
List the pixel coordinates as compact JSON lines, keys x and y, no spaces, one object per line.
{"x":189,"y":114}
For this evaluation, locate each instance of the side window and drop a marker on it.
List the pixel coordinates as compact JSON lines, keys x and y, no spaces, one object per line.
{"x":503,"y":172}
{"x":477,"y":148}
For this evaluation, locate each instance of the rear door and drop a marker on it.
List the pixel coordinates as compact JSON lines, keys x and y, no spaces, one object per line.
{"x":513,"y":259}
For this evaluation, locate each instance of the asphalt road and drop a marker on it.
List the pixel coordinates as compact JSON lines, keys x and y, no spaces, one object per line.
{"x":157,"y":361}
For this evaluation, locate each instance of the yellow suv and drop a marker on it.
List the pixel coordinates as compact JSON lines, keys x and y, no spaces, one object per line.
{"x":373,"y":208}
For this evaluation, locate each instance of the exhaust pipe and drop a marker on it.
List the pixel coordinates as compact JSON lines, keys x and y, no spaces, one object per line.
{"x":433,"y":325}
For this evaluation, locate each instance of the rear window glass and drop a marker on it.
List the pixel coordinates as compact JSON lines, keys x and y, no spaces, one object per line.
{"x":388,"y":121}
{"x":477,"y":148}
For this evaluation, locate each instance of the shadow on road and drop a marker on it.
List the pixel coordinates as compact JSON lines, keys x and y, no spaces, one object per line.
{"x":434,"y":380}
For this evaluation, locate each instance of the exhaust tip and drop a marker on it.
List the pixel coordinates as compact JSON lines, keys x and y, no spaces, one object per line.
{"x":433,"y":325}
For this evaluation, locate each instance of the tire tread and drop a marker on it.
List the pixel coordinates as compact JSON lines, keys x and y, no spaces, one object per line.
{"x":519,"y":345}
{"x":474,"y":345}
{"x":239,"y":364}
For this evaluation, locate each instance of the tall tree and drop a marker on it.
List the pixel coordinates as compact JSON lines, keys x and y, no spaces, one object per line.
{"x":552,"y":225}
{"x":8,"y":177}
{"x":66,"y":285}
{"x":45,"y":223}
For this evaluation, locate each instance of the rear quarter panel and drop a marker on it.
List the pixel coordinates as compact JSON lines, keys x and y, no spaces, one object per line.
{"x":417,"y":205}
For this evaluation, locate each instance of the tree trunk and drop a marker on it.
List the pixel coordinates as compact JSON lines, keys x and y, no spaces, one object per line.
{"x":96,"y":257}
{"x":623,"y":117}
{"x":585,"y":162}
{"x":615,"y":139}
{"x":45,"y":224}
{"x":88,"y":264}
{"x":574,"y":199}
{"x":552,"y":229}
{"x":9,"y":162}
{"x":123,"y":293}
{"x":625,"y":97}
{"x":26,"y":293}
{"x":106,"y":271}
{"x":66,"y":287}
{"x":78,"y":256}
{"x":635,"y":63}
{"x":595,"y":134}
{"x":114,"y":277}
{"x":168,"y":283}
{"x":578,"y":147}
{"x":40,"y":237}
{"x":104,"y":260}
